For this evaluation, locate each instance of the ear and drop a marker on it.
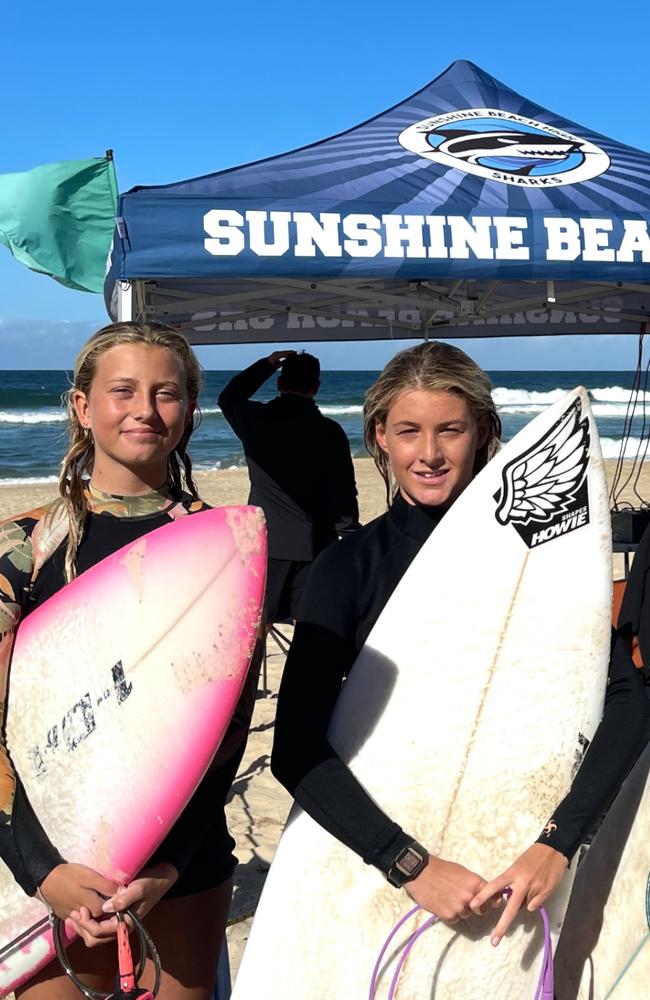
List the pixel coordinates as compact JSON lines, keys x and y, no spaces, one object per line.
{"x":81,"y":408}
{"x":380,"y":435}
{"x":189,"y":416}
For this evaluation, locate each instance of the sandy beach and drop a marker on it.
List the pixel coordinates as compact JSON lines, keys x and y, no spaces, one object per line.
{"x":230,"y":486}
{"x":220,"y":487}
{"x":258,"y":805}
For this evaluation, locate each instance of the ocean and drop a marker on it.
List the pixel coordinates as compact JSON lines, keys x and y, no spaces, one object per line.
{"x":33,"y":423}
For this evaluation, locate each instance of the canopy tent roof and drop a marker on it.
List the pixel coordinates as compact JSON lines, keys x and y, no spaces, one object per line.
{"x":466,"y":210}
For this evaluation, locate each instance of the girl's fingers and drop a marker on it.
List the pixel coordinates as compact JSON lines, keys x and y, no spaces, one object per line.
{"x":537,"y":899}
{"x":91,"y":902}
{"x":102,"y":886}
{"x":91,"y":929}
{"x":511,"y":910}
{"x":125,"y":899}
{"x":491,"y":891}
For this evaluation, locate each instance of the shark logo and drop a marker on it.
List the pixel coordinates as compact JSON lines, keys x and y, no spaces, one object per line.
{"x":544,"y":492}
{"x":505,"y":147}
{"x":523,"y":153}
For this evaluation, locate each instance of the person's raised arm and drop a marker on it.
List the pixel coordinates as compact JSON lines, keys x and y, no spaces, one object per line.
{"x":234,"y":397}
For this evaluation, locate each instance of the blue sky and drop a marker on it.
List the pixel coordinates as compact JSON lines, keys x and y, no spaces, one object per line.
{"x":182,"y":90}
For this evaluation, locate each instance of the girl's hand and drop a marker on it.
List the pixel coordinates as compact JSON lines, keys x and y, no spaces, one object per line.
{"x":141,"y":895}
{"x":533,"y":877}
{"x":69,"y":887}
{"x":446,"y":889}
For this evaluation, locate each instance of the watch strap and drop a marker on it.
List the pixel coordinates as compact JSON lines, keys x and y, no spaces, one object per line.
{"x":408,"y":864}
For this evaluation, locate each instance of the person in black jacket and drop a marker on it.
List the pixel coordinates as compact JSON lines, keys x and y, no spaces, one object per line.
{"x":300,"y":470}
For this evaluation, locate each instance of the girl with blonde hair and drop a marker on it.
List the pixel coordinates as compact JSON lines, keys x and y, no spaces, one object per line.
{"x":433,"y":367}
{"x":430,"y":426}
{"x":127,"y":471}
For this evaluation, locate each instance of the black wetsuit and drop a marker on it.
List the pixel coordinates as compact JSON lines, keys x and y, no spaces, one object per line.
{"x":348,"y":587}
{"x":301,"y":475}
{"x":199,"y":844}
{"x":634,"y":616}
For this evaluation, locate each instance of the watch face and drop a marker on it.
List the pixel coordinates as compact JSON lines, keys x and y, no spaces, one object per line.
{"x":410,"y":861}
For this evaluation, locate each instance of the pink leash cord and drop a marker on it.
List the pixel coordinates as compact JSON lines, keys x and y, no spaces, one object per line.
{"x":544,"y":990}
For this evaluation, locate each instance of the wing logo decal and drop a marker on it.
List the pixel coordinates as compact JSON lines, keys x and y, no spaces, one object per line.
{"x":546,"y":486}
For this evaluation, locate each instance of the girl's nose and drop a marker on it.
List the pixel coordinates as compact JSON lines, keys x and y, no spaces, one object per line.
{"x":430,"y":446}
{"x":145,"y":406}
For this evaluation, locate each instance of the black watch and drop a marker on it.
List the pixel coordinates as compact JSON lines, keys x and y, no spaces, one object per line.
{"x":408,"y":864}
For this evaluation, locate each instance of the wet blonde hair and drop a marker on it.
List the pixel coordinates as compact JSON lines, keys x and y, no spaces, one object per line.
{"x":78,"y":462}
{"x":436,"y":367}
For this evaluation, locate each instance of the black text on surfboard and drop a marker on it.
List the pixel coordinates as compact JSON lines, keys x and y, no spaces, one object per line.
{"x":568,"y":522}
{"x":544,"y":493}
{"x":79,"y":721}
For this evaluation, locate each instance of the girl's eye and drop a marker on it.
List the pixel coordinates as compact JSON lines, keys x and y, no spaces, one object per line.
{"x":167,"y":394}
{"x":121,"y":389}
{"x":408,"y":430}
{"x":452,"y":431}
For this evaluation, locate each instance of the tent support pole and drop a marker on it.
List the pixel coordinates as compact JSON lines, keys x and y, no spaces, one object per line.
{"x":139,"y":294}
{"x":124,"y":302}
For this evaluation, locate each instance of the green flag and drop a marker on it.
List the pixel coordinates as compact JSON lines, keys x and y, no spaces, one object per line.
{"x":59,"y":219}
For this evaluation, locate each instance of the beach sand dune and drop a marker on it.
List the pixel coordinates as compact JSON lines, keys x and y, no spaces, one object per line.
{"x":258,"y":806}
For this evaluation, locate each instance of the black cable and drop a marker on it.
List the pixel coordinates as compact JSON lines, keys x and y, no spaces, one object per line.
{"x":644,"y":439}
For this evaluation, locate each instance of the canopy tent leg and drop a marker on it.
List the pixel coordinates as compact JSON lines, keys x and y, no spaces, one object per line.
{"x":124,"y":302}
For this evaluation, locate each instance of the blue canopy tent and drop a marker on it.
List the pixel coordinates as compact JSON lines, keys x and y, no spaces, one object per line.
{"x":466,"y":210}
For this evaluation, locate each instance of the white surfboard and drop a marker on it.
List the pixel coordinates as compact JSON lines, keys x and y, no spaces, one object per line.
{"x":464,"y":715}
{"x":604,"y":948}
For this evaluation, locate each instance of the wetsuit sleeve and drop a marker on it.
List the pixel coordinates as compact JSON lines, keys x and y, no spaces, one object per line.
{"x":24,"y":846}
{"x":617,"y":742}
{"x":234,"y":399}
{"x":343,"y":487}
{"x":322,"y":652}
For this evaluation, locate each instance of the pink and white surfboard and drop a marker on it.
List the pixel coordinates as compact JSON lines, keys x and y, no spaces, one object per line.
{"x":122,"y":687}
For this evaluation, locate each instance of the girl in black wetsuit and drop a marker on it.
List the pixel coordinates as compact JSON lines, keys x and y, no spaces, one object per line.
{"x":131,"y":416}
{"x":430,"y":425}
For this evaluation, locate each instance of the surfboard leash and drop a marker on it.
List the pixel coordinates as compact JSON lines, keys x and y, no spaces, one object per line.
{"x":543,"y":991}
{"x":127,"y":988}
